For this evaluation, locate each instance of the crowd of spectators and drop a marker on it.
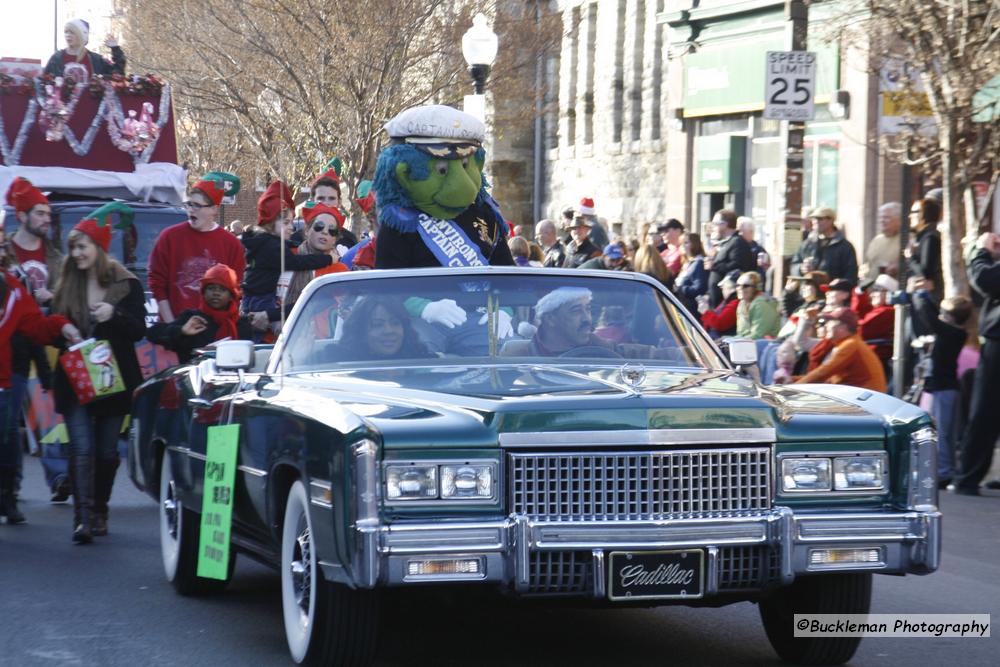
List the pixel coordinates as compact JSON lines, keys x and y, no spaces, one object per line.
{"x":833,"y":320}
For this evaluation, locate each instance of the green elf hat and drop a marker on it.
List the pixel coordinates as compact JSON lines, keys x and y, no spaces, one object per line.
{"x":366,"y":196}
{"x":97,"y":225}
{"x":218,"y":184}
{"x":332,"y":170}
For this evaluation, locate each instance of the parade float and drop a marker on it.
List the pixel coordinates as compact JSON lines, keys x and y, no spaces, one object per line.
{"x":105,"y":137}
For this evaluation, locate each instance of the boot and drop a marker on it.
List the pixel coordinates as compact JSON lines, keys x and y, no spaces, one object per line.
{"x":8,"y":495}
{"x":104,"y":480}
{"x":82,"y":477}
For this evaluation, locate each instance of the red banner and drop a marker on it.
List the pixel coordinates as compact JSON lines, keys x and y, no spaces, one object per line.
{"x":103,"y":155}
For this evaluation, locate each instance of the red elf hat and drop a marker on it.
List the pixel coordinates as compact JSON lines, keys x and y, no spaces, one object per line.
{"x":24,"y":196}
{"x":217,"y":184}
{"x":332,"y":170}
{"x":277,"y":198}
{"x":311,"y":209}
{"x":97,"y":225}
{"x":366,"y":196}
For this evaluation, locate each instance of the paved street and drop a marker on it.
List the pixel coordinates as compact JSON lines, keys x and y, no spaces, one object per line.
{"x":108,"y":604}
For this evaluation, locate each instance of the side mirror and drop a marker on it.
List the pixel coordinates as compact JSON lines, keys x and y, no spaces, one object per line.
{"x":741,"y":351}
{"x":234,"y":355}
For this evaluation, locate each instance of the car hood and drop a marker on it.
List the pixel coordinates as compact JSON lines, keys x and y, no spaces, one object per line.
{"x":473,"y":406}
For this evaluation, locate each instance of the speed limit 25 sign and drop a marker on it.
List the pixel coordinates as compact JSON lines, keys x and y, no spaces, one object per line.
{"x":790,"y":87}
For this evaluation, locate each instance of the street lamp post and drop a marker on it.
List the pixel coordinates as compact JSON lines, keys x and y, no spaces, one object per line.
{"x":479,"y":47}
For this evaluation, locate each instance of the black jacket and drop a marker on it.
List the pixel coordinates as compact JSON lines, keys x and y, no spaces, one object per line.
{"x":948,"y":342}
{"x":171,"y":337}
{"x":833,"y":255}
{"x":126,"y":327}
{"x":926,"y":261}
{"x":264,"y":262}
{"x":98,"y":65}
{"x":984,"y":273}
{"x":396,"y":247}
{"x":555,"y":256}
{"x":733,"y":253}
{"x":577,"y":254}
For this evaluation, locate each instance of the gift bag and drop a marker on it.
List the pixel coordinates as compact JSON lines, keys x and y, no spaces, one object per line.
{"x":92,"y":370}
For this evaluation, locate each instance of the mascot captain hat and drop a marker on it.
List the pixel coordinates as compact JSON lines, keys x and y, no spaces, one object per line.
{"x":558,"y":298}
{"x":438,"y":130}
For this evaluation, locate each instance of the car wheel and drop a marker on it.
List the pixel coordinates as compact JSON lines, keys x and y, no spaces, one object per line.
{"x":840,"y":593}
{"x":179,"y":540}
{"x":325,"y":623}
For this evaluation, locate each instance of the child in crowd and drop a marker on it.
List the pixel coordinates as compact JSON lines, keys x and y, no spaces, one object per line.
{"x":216,"y":318}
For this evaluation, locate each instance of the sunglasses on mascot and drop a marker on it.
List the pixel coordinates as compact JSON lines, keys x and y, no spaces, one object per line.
{"x":319,"y":228}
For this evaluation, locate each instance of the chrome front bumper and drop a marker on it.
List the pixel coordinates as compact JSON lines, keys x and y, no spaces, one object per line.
{"x":907,"y":542}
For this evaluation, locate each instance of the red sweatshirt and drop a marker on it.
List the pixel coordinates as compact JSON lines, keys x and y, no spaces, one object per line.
{"x":20,"y":314}
{"x":181,"y":257}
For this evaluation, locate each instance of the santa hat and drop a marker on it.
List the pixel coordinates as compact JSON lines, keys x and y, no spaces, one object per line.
{"x":24,"y":196}
{"x":217,"y":184}
{"x":366,"y":196}
{"x":586,"y":206}
{"x":332,"y":171}
{"x":97,"y":225}
{"x":81,"y":28}
{"x":220,"y":274}
{"x":560,"y":297}
{"x":277,"y":198}
{"x":311,"y":210}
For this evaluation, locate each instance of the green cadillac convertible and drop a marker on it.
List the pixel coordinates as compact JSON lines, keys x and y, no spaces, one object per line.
{"x":544,"y":433}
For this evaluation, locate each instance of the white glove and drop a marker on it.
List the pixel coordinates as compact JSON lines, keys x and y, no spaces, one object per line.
{"x":505,"y":326}
{"x":445,"y":312}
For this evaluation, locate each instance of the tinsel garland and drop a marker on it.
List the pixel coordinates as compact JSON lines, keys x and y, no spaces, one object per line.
{"x":109,"y":104}
{"x":116,"y":120}
{"x":12,"y":153}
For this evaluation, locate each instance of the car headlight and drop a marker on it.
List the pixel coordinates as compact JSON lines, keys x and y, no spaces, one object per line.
{"x":411,"y":482}
{"x":852,"y":473}
{"x":807,"y":474}
{"x":467,"y":481}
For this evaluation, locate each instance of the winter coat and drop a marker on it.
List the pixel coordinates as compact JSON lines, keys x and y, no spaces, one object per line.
{"x":833,"y":255}
{"x":984,"y":274}
{"x":170,"y":336}
{"x":126,"y":326}
{"x":732,"y":254}
{"x":98,"y":64}
{"x":759,"y":318}
{"x":263,"y":252}
{"x":692,"y":282}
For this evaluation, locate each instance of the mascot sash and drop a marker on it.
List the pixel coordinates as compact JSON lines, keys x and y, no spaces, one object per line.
{"x":449,"y":243}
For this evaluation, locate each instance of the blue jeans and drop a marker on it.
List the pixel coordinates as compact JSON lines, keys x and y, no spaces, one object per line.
{"x":944,"y":409}
{"x":95,"y":437}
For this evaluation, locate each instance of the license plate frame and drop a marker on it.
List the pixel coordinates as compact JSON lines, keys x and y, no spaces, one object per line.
{"x":653,"y":565}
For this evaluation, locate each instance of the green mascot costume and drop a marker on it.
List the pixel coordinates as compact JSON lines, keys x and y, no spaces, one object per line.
{"x":433,"y":206}
{"x":434,"y":211}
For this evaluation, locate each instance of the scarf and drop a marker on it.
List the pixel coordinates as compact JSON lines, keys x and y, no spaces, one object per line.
{"x":225,"y":319}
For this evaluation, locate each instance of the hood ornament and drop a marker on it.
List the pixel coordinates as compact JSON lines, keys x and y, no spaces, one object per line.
{"x":632,"y":375}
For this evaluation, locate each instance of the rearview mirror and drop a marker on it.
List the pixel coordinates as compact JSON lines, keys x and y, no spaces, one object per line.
{"x":741,"y":351}
{"x":234,"y":355}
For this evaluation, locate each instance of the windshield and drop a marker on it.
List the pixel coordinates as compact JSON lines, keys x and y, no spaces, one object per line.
{"x":435,"y":320}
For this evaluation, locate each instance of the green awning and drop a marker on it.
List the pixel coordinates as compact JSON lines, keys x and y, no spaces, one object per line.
{"x":986,"y":101}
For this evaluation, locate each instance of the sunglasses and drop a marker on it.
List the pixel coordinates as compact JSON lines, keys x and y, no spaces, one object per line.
{"x":744,"y":285}
{"x":195,"y":206}
{"x":319,"y":227}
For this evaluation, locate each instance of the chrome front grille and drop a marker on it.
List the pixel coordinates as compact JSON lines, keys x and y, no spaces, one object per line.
{"x":560,"y":572}
{"x":747,"y":568}
{"x":591,"y":486}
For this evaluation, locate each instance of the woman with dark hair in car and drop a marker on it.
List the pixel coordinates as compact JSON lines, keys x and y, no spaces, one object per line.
{"x":379,"y":328}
